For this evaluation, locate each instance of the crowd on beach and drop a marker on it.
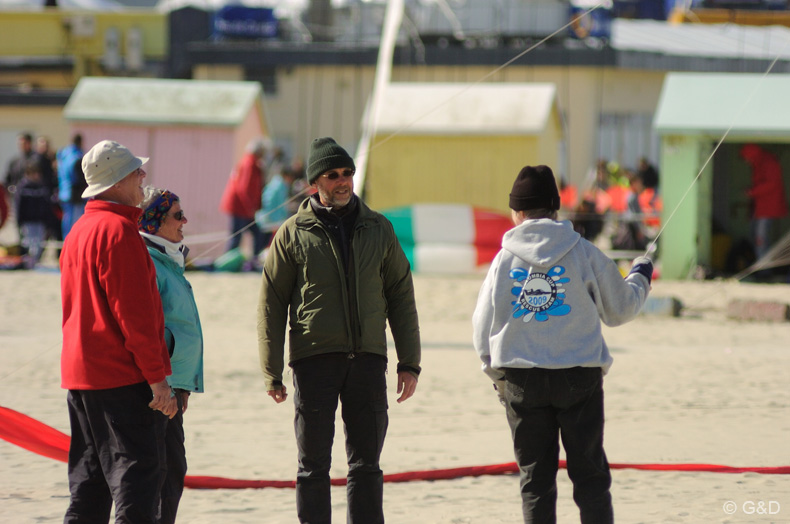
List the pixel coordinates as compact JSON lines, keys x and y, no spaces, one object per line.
{"x":617,"y":208}
{"x":33,"y":196}
{"x":41,"y":195}
{"x":626,"y":199}
{"x":334,"y":279}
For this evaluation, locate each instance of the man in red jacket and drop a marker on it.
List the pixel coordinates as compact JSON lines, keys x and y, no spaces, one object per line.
{"x":114,"y":360}
{"x":767,"y":193}
{"x":242,"y":196}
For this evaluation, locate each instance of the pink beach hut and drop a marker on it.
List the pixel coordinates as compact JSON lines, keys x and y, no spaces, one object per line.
{"x":193,"y":131}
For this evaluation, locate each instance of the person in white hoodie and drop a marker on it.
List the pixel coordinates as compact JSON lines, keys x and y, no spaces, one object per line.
{"x":537,"y":329}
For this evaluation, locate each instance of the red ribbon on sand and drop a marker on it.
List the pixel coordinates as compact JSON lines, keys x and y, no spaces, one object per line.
{"x":35,"y":436}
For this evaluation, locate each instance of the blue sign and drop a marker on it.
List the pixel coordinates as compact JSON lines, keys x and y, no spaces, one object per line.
{"x":591,"y":19}
{"x":245,"y":22}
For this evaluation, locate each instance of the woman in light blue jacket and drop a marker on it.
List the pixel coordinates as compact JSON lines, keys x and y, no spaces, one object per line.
{"x":161,"y":226}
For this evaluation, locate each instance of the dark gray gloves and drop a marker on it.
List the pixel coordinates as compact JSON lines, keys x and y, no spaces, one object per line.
{"x":643,"y":266}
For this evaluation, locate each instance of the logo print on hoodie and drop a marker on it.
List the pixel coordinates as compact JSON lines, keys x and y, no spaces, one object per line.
{"x":539,"y":295}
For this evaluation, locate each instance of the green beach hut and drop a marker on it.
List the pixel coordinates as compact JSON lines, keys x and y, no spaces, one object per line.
{"x":706,"y":212}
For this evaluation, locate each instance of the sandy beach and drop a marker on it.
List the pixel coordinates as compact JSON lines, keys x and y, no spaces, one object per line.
{"x":695,"y":389}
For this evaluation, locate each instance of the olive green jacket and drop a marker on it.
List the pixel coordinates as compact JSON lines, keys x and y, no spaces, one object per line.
{"x":304,"y":282}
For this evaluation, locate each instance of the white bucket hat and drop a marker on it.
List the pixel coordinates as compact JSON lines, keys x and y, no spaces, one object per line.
{"x":106,"y":164}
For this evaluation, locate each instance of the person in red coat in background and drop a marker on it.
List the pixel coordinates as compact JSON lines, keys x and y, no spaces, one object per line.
{"x":242,"y":196}
{"x":767,"y":194}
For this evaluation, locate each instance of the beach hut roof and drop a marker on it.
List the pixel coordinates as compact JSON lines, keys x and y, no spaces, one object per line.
{"x":711,"y":41}
{"x":711,"y":103}
{"x":462,"y":109}
{"x":156,"y":101}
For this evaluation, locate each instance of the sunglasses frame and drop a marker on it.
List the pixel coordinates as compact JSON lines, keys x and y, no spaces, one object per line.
{"x":334,"y":175}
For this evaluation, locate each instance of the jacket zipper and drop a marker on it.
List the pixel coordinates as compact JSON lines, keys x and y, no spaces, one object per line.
{"x":332,"y":242}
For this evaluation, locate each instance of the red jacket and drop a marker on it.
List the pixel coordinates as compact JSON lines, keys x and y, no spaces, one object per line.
{"x":242,"y":196}
{"x":767,"y":191}
{"x":113,"y":325}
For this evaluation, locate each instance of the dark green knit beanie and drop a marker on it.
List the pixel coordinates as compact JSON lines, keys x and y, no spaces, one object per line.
{"x":325,"y":154}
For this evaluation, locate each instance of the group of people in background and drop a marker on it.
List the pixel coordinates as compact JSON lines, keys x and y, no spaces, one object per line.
{"x":262,"y":191}
{"x":46,"y":189}
{"x":630,"y":200}
{"x":630,"y":197}
{"x":46,"y":192}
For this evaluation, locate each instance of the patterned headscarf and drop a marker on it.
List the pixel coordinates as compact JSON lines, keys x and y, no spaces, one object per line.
{"x":153,"y":216}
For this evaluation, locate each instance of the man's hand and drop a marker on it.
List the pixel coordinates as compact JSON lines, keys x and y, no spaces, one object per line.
{"x":172,"y":408}
{"x":499,"y":387}
{"x":279,"y":395}
{"x":163,"y":401}
{"x":407,"y":385}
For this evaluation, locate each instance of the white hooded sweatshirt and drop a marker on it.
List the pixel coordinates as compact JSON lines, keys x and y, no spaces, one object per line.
{"x":544,"y":298}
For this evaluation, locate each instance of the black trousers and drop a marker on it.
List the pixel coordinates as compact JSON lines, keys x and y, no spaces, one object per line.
{"x":173,"y":485}
{"x":117,"y":454}
{"x":543,"y":405}
{"x":238,"y":223}
{"x":360,"y":385}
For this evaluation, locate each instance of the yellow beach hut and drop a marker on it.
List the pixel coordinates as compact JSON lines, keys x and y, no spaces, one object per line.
{"x":460,"y":143}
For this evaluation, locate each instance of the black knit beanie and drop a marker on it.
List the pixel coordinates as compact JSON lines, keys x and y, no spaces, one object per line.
{"x":325,"y":154}
{"x":535,"y":188}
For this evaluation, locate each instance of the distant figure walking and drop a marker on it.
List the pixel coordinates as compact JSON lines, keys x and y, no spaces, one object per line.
{"x":18,"y":165}
{"x":71,"y":183}
{"x":648,"y":173}
{"x":242,"y":196}
{"x":34,"y":213}
{"x":767,"y":194}
{"x":274,"y":203}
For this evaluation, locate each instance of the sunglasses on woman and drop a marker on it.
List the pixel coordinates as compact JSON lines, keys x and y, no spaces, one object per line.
{"x":178,"y":215}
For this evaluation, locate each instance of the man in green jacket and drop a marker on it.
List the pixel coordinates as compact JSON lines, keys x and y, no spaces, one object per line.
{"x":336,"y":274}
